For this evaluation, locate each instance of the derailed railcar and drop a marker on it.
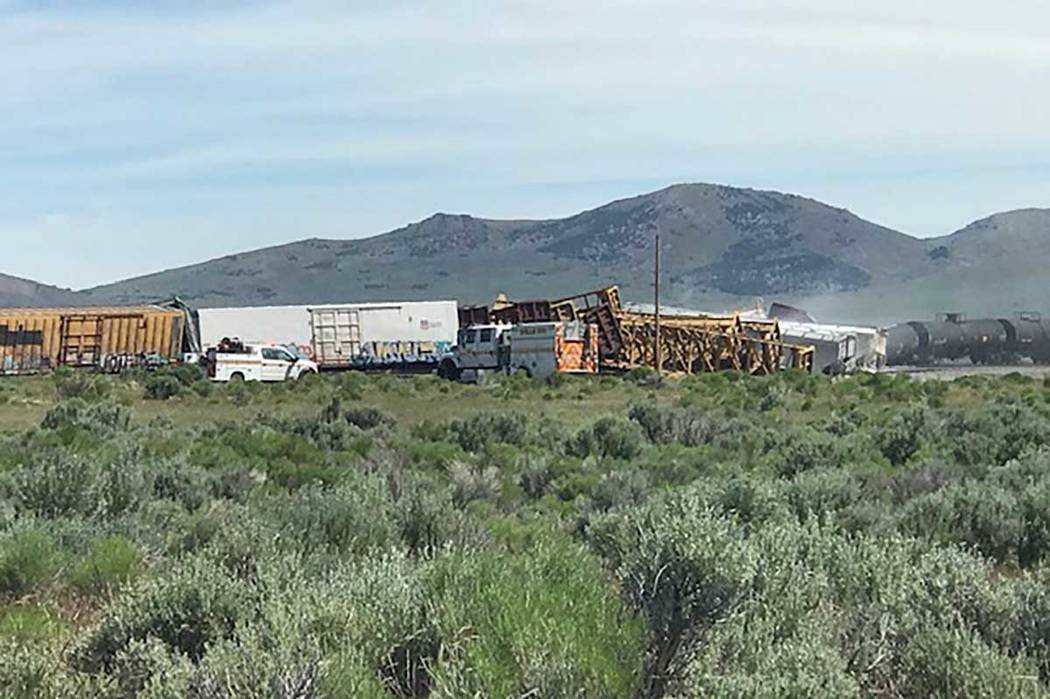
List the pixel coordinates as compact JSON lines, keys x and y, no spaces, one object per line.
{"x":838,"y":349}
{"x":111,"y":338}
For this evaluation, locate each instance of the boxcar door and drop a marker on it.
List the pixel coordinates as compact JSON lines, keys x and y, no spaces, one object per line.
{"x":80,"y":340}
{"x":336,"y":335}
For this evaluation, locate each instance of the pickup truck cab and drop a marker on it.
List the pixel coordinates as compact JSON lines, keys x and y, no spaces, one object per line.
{"x":236,"y":361}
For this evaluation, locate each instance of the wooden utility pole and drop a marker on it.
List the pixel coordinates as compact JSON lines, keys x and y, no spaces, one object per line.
{"x":656,"y":302}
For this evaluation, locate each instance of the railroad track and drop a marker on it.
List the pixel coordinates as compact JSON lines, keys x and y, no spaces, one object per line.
{"x":954,"y":371}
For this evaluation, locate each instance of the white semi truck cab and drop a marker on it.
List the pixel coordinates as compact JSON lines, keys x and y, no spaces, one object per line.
{"x":235,"y":361}
{"x":535,"y":349}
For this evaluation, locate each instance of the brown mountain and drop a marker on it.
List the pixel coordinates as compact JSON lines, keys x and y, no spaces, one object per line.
{"x":723,"y":248}
{"x":719,"y":243}
{"x":997,"y":266}
{"x":17,"y":292}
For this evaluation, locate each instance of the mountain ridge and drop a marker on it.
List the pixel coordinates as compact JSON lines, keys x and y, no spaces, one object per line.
{"x":722,"y":247}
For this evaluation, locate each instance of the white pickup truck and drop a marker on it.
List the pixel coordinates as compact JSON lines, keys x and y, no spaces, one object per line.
{"x":234,"y":361}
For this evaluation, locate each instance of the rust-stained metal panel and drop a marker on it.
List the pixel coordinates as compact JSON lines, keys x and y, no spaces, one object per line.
{"x":688,"y":343}
{"x":111,"y":337}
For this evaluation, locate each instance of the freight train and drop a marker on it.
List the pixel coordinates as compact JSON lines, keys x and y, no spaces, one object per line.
{"x":983,"y":341}
{"x":109,"y":338}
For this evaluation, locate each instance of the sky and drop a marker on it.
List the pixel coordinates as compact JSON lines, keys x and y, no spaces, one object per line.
{"x":136,"y":136}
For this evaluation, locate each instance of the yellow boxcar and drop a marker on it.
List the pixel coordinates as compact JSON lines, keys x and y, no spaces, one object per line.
{"x":110,"y":338}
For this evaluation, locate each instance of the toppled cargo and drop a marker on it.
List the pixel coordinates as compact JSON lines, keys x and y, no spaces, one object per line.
{"x":688,"y":343}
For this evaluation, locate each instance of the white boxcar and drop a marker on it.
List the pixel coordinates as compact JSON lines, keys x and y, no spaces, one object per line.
{"x":341,"y":335}
{"x":839,"y":348}
{"x":369,"y":333}
{"x":279,"y":325}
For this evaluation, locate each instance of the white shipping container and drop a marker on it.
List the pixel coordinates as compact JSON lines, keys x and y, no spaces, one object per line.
{"x":342,"y":332}
{"x":279,"y":325}
{"x":337,"y":332}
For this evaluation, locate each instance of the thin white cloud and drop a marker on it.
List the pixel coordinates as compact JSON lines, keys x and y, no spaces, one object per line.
{"x":405,"y":107}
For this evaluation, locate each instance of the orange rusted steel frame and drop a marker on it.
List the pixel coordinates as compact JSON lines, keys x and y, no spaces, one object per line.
{"x":688,"y":343}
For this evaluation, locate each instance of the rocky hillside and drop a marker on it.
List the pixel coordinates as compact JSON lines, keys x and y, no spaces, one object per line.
{"x":16,"y":292}
{"x":996,"y":266}
{"x":719,"y":242}
{"x":723,"y":248}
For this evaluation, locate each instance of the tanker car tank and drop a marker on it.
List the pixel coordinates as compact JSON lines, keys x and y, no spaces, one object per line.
{"x":983,"y":340}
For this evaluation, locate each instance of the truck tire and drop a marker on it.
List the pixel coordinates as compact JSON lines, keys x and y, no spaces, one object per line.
{"x":448,"y":370}
{"x":236,"y":377}
{"x":306,"y":376}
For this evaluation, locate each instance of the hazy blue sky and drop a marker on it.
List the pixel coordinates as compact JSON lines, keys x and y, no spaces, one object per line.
{"x":137,"y":139}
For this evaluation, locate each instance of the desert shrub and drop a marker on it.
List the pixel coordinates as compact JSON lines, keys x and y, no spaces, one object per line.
{"x":367,"y":418}
{"x":644,"y":376}
{"x":29,"y":559}
{"x":52,"y":483}
{"x":1010,"y":527}
{"x":821,"y":495}
{"x":473,"y":482}
{"x":762,"y":599}
{"x":844,"y":423}
{"x":162,"y":386}
{"x":100,"y":418}
{"x":203,"y":388}
{"x":954,"y":663}
{"x":609,"y":438}
{"x":112,"y":562}
{"x":798,"y":450}
{"x":120,"y":485}
{"x":186,"y":374}
{"x":193,"y":605}
{"x":355,"y":517}
{"x":681,"y":567}
{"x":81,"y":384}
{"x":428,"y":518}
{"x":749,"y":501}
{"x":177,"y":480}
{"x":371,"y":607}
{"x":961,"y":514}
{"x":996,"y":434}
{"x":37,"y":671}
{"x":901,"y":437}
{"x":343,"y":632}
{"x":923,"y":479}
{"x":763,"y":659}
{"x":664,"y":425}
{"x":536,"y":479}
{"x":543,"y":623}
{"x":482,"y":429}
{"x":620,"y":488}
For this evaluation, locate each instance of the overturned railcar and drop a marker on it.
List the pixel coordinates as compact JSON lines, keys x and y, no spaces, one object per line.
{"x":110,"y":338}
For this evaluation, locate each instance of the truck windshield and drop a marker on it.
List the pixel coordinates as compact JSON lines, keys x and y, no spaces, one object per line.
{"x":277,"y":354}
{"x":295,"y":352}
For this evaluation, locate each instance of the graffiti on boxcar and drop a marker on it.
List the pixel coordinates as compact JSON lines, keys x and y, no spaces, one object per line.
{"x":20,"y":349}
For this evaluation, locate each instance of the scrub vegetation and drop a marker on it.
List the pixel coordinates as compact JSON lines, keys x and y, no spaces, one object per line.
{"x":355,"y":536}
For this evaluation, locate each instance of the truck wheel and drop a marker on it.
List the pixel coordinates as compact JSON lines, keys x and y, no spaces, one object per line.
{"x":448,"y":370}
{"x":306,"y":376}
{"x":236,"y":377}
